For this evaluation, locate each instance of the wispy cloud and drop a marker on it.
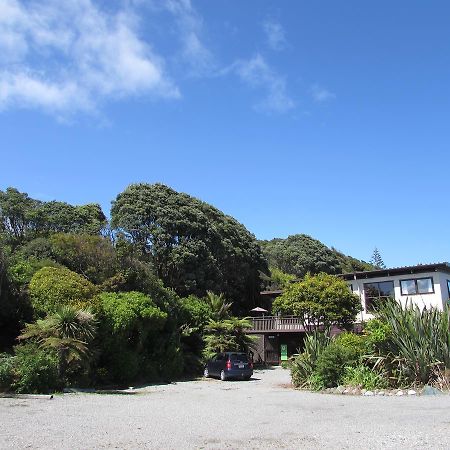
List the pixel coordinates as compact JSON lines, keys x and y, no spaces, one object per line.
{"x":320,"y":94}
{"x":275,"y":35}
{"x":68,"y":56}
{"x":193,"y":51}
{"x":256,"y":73}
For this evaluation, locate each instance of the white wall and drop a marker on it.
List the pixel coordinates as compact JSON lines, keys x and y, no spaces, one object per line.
{"x":436,"y":299}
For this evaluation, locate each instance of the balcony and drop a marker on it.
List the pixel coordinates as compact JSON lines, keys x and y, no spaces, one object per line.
{"x":276,"y":324}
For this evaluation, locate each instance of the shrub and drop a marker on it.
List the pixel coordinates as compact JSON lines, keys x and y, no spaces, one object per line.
{"x":304,"y":365}
{"x":332,"y":362}
{"x":6,"y":371}
{"x":52,"y":287}
{"x":354,"y":343}
{"x":418,"y":341}
{"x":35,"y":370}
{"x":364,"y":377}
{"x":377,"y":334}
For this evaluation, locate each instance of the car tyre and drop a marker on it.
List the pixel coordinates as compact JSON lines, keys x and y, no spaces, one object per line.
{"x":223,"y":376}
{"x":206,"y":373}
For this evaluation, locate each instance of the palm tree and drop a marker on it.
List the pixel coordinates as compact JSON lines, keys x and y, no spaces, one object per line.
{"x":68,"y":331}
{"x":220,"y":309}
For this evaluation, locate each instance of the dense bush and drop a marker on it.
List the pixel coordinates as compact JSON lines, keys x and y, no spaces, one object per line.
{"x":363,"y":377}
{"x":304,"y":365}
{"x":31,"y":370}
{"x":332,"y":363}
{"x":130,"y":325}
{"x":418,"y":342}
{"x":52,"y":287}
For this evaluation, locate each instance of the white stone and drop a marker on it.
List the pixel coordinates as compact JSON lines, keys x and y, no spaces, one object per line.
{"x":368,"y":394}
{"x":399,"y":393}
{"x":412,"y":392}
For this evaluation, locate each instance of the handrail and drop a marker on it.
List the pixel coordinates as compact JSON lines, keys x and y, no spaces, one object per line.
{"x":277,"y":323}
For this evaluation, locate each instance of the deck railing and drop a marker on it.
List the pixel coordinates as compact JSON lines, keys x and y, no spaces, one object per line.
{"x":276,"y":324}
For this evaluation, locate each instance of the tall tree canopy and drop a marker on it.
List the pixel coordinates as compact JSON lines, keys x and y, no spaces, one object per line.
{"x":191,"y":245}
{"x":299,"y":254}
{"x":23,"y":218}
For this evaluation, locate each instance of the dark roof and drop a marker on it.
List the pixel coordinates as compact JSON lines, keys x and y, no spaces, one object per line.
{"x":420,"y":268}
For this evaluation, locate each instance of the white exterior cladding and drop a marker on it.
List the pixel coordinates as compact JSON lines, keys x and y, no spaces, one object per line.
{"x":436,"y":299}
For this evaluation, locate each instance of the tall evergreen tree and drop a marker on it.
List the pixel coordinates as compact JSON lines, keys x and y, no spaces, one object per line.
{"x":377,"y":260}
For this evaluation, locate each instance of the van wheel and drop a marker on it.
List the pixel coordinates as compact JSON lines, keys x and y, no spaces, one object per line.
{"x":206,"y":373}
{"x":223,"y":377}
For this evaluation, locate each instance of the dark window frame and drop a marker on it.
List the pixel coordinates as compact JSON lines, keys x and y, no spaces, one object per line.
{"x":369,"y":300}
{"x":417,"y":288}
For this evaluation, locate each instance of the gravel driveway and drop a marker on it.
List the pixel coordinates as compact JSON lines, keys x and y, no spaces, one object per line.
{"x":261,"y":413}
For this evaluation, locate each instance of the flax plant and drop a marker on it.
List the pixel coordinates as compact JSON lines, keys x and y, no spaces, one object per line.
{"x":418,"y":348}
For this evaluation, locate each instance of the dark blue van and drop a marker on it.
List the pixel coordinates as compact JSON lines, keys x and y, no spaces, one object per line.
{"x":229,"y":365}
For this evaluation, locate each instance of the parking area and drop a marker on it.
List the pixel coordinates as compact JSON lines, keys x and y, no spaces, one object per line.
{"x":261,"y":413}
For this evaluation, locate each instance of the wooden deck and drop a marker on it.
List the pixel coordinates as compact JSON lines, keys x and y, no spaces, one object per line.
{"x":276,"y":324}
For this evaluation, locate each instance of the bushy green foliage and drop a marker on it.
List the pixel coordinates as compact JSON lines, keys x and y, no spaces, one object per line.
{"x":418,"y":343}
{"x":377,"y":335}
{"x":304,"y":364}
{"x":319,"y":300}
{"x":300,"y":254}
{"x":130,"y":328}
{"x":53,"y":287}
{"x":35,"y":370}
{"x":68,"y":332}
{"x":363,"y":377}
{"x":23,"y":218}
{"x":195,"y":312}
{"x":278,"y":279}
{"x":228,"y":335}
{"x":90,"y":255}
{"x":6,"y":371}
{"x":192,"y":246}
{"x":355,"y":343}
{"x":332,"y":362}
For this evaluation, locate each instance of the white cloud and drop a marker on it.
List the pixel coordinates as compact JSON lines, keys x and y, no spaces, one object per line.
{"x":275,"y":35}
{"x":69,"y":56}
{"x":194,"y":53}
{"x":321,"y":95}
{"x":259,"y":75}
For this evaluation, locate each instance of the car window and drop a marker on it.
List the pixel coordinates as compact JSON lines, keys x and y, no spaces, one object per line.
{"x":239,"y":357}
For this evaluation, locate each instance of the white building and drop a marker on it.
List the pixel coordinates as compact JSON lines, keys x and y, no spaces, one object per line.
{"x":423,"y":285}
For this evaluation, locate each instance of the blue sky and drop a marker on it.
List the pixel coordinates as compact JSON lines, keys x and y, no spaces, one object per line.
{"x":326,"y":118}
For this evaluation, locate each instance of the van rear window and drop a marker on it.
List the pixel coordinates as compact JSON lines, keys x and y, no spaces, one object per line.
{"x":238,"y":357}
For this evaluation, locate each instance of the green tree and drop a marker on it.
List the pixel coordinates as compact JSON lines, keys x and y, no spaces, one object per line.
{"x":89,"y":255}
{"x":218,"y":306}
{"x":300,"y":254}
{"x":377,"y":260}
{"x":23,"y":218}
{"x":191,"y":246}
{"x":228,"y":335}
{"x":52,"y":287}
{"x":68,"y":331}
{"x":17,"y":215}
{"x":132,"y":338}
{"x":319,"y":300}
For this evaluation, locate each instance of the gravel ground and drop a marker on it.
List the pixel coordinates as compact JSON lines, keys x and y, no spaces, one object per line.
{"x":261,"y":413}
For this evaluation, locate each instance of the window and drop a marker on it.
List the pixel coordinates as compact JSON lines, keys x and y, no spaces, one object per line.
{"x":374,"y":292}
{"x":417,"y":286}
